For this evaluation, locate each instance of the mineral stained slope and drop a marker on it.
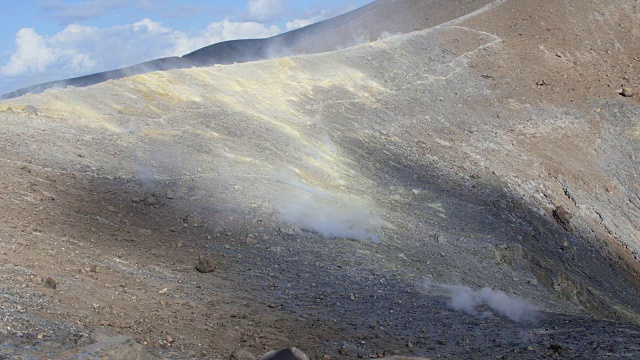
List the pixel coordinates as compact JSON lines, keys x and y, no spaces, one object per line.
{"x":342,"y":196}
{"x":379,"y":19}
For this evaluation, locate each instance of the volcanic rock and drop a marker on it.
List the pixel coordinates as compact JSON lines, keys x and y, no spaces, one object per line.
{"x":31,"y":110}
{"x":628,"y":92}
{"x":562,"y":216}
{"x":205,"y":264}
{"x":285,"y":354}
{"x":51,"y":283}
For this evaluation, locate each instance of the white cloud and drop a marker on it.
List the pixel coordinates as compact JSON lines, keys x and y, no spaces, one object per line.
{"x":32,"y":54}
{"x":221,"y":31}
{"x":35,"y":54}
{"x":263,"y":10}
{"x":82,"y":49}
{"x":298,"y":23}
{"x":150,"y":27}
{"x":312,"y":16}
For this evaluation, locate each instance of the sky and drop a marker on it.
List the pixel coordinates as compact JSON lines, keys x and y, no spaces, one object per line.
{"x":45,"y":40}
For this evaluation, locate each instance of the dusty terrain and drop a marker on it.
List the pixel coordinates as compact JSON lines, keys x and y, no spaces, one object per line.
{"x":342,"y":198}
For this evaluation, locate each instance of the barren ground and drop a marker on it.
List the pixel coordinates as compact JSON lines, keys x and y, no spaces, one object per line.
{"x":490,"y":152}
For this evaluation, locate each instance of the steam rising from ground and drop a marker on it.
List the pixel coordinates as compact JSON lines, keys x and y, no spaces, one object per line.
{"x":486,"y":301}
{"x":327,"y":213}
{"x":330,"y":216}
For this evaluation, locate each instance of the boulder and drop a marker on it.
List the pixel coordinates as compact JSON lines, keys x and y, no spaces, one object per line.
{"x":285,"y":354}
{"x":204,"y":264}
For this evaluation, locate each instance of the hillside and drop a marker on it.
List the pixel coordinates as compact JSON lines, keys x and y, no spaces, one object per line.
{"x":378,"y":19}
{"x":466,"y":188}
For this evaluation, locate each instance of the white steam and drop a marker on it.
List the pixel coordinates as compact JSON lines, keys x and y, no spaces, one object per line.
{"x":329,"y":215}
{"x":144,"y":171}
{"x":385,"y":35}
{"x":486,"y":301}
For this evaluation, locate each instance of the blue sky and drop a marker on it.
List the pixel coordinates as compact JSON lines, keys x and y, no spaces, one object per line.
{"x":44,"y":40}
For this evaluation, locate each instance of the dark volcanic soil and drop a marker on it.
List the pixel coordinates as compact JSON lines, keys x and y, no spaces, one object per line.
{"x":123,"y":261}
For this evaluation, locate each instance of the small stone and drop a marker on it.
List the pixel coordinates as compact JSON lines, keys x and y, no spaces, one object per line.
{"x":556,"y":348}
{"x":50,"y":283}
{"x":562,"y":216}
{"x":288,"y":230}
{"x":205,"y":264}
{"x":285,"y":354}
{"x":151,"y":200}
{"x":344,"y":351}
{"x":169,"y":339}
{"x":31,"y":110}
{"x":242,"y":354}
{"x":194,"y":220}
{"x":627,"y":92}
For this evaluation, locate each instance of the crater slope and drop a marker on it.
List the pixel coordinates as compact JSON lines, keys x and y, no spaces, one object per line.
{"x":379,"y":19}
{"x":346,"y":198}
